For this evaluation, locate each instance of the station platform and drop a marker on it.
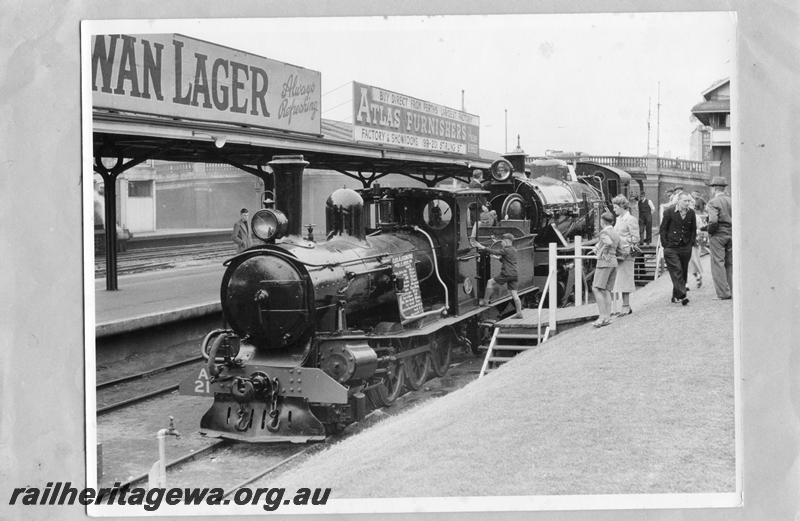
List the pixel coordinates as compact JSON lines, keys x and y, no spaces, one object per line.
{"x":157,"y":297}
{"x":564,"y":316}
{"x":178,"y":236}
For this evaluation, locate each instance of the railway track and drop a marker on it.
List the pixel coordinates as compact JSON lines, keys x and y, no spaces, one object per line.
{"x":158,"y":381}
{"x":214,"y":462}
{"x":164,"y":257}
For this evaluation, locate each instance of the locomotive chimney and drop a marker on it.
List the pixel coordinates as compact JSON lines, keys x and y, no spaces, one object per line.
{"x":517,"y":158}
{"x":289,"y":189}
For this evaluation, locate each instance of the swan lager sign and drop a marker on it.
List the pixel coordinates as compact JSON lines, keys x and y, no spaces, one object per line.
{"x":180,"y":77}
{"x":386,"y":117}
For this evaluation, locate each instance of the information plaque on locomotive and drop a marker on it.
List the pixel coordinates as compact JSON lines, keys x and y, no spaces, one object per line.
{"x":409,"y":300}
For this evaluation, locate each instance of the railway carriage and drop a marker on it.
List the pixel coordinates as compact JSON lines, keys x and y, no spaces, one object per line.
{"x":320,"y":332}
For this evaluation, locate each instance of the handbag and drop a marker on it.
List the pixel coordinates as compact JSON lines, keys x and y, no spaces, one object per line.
{"x":622,"y":252}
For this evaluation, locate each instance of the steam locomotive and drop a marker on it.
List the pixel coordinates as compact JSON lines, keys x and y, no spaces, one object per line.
{"x":320,"y":332}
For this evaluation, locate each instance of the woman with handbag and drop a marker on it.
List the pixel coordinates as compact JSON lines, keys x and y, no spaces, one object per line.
{"x":627,"y":227}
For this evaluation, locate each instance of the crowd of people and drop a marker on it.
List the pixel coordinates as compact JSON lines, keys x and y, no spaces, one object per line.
{"x":689,"y":228}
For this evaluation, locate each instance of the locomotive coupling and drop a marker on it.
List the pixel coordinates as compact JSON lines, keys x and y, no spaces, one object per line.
{"x":244,"y":389}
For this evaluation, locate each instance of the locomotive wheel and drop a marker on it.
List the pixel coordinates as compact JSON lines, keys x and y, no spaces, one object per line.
{"x":440,"y":355}
{"x":416,"y":369}
{"x":385,"y":394}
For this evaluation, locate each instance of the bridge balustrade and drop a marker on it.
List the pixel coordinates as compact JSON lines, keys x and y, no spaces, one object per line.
{"x":619,"y":161}
{"x":683,"y":165}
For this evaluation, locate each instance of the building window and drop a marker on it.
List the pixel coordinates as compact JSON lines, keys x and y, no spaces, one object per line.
{"x":727,"y":121}
{"x":140,"y":188}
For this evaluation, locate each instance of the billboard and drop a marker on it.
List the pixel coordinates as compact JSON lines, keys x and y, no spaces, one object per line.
{"x":388,"y":118}
{"x":180,"y":77}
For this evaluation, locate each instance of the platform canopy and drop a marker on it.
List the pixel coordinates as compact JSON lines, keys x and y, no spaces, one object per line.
{"x":128,"y":139}
{"x":172,"y":97}
{"x":137,"y":136}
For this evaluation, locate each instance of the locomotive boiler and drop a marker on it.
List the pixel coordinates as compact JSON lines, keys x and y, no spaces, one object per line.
{"x":318,"y":332}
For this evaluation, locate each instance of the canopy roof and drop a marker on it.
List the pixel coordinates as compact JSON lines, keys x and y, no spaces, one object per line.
{"x":137,"y":136}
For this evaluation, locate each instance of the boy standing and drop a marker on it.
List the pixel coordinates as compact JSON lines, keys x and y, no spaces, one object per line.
{"x":605,"y":271}
{"x":508,"y":272}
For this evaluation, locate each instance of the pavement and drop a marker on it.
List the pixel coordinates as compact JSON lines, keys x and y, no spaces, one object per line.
{"x":157,"y":297}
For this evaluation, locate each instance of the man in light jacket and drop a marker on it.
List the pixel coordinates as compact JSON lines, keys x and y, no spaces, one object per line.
{"x":719,"y":237}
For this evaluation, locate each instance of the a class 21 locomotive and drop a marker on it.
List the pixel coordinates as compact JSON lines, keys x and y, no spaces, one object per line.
{"x":295,"y":361}
{"x":303,"y":350}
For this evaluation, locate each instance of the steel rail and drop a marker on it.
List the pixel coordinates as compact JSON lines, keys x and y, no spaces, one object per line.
{"x":272,"y":468}
{"x":136,"y":399}
{"x":218,"y":444}
{"x":150,"y":372}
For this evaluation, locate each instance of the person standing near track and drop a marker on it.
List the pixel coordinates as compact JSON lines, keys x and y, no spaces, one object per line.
{"x":241,"y":231}
{"x":508,"y":271}
{"x":627,"y":228}
{"x":678,"y":232}
{"x":477,"y":179}
{"x":605,"y":270}
{"x":646,"y":209}
{"x":719,"y":238}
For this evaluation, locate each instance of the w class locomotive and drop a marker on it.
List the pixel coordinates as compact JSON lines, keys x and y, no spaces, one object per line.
{"x":318,"y":332}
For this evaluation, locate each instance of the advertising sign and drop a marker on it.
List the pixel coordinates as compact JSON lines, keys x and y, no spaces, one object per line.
{"x":180,"y":77}
{"x":386,"y":117}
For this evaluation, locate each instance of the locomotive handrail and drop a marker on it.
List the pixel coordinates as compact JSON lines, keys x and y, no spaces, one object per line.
{"x":444,"y":286}
{"x":292,"y":258}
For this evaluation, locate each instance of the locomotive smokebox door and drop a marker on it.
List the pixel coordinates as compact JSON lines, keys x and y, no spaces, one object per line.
{"x":266,"y":299}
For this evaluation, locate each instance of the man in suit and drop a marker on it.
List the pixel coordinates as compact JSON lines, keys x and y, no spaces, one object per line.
{"x":719,"y":237}
{"x":241,"y":231}
{"x":678,"y":231}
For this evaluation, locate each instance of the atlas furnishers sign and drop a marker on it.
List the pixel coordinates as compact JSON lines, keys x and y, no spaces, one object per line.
{"x":386,"y":117}
{"x":180,"y":77}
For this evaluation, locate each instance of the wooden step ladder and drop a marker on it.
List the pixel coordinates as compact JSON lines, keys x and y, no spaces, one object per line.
{"x":507,"y":343}
{"x":645,"y":267}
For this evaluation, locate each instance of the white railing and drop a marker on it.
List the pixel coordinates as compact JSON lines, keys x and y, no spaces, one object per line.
{"x":552,"y":314}
{"x":550,"y":293}
{"x":551,"y":284}
{"x":488,"y":353}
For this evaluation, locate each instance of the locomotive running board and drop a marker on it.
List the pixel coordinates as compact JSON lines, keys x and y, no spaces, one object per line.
{"x":297,"y":423}
{"x":431,"y":327}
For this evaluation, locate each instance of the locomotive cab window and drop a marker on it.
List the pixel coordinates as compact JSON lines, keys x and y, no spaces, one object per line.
{"x":437,"y":214}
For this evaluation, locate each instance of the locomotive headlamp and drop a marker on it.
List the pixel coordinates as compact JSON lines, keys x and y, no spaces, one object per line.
{"x":501,"y":170}
{"x":269,"y":224}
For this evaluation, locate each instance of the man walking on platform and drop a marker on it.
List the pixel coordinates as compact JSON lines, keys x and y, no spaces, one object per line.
{"x":678,"y":231}
{"x":646,"y":209}
{"x":241,"y":231}
{"x":719,"y":237}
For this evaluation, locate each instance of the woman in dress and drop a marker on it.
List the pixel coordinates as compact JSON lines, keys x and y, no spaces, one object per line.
{"x":695,"y":268}
{"x":627,"y":226}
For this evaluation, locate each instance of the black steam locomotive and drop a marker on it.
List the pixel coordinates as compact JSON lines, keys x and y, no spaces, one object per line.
{"x":319,"y":332}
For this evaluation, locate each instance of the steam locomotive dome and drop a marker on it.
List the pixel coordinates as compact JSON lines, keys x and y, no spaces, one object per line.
{"x":344,"y":213}
{"x":264,"y":298}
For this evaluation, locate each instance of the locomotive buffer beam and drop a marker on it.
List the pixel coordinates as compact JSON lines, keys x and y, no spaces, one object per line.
{"x":251,"y":422}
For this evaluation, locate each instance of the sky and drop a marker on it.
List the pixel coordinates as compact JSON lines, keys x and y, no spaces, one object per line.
{"x":571,"y":82}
